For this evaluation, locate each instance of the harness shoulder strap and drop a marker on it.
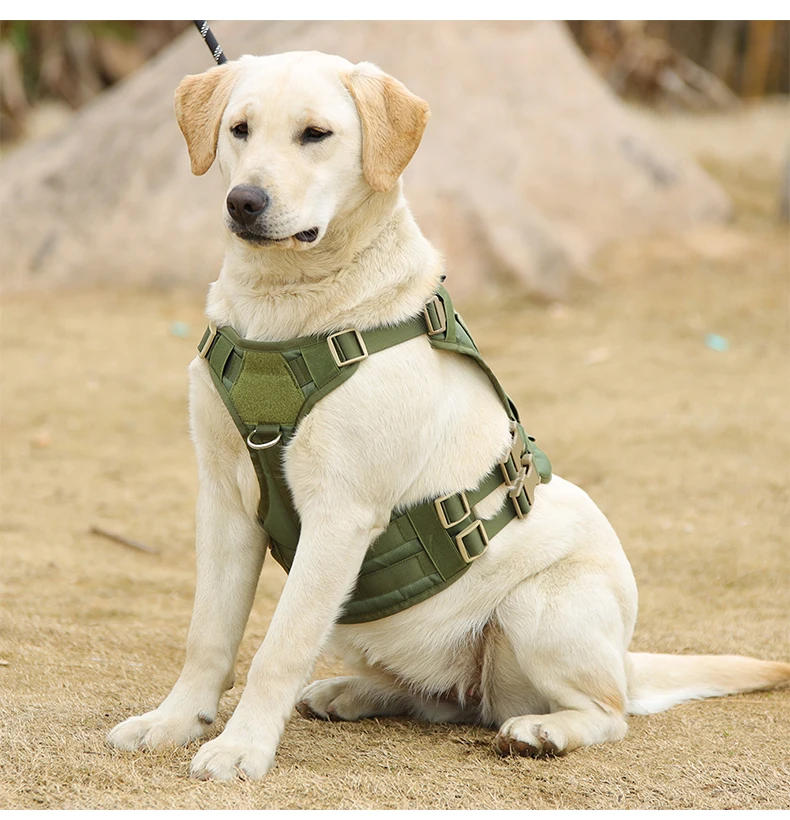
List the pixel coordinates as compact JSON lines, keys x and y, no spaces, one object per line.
{"x":447,"y":331}
{"x":297,"y":372}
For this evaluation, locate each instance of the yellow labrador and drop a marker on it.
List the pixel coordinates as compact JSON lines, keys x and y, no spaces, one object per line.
{"x":533,"y":639}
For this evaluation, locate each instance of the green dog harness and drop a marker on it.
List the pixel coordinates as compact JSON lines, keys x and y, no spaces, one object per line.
{"x":269,"y":387}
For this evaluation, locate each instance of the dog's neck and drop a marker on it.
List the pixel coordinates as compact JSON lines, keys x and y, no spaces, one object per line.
{"x":378,"y":269}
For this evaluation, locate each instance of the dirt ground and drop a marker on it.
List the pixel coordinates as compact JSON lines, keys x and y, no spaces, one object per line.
{"x":685,"y":447}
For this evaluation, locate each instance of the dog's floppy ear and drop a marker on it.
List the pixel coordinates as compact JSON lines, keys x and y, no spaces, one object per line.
{"x":393,"y":121}
{"x":200,"y":103}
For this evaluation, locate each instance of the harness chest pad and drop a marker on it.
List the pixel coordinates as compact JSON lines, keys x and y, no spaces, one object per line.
{"x":266,"y":388}
{"x":269,"y":387}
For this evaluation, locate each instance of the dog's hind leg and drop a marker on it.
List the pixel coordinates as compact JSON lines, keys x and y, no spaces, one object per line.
{"x":353,"y":697}
{"x":560,"y":681}
{"x":376,"y":694}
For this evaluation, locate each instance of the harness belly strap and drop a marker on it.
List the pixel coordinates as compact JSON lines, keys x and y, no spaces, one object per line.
{"x":269,"y":387}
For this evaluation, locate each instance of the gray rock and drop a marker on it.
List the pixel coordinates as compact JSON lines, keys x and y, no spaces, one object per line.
{"x":528,"y":166}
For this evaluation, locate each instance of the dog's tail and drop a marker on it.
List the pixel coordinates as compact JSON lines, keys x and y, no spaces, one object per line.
{"x":657,"y":682}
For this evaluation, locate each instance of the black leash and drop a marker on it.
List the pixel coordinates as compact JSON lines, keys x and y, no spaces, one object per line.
{"x":211,"y":41}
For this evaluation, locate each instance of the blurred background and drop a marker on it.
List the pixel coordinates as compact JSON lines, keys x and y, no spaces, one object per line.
{"x":491,"y":184}
{"x":52,"y":67}
{"x":612,"y":201}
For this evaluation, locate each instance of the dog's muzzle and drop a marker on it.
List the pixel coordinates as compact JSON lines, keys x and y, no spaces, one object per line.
{"x":245,"y":203}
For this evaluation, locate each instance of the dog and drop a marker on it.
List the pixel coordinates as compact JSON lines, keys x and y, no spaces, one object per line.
{"x":533,"y":639}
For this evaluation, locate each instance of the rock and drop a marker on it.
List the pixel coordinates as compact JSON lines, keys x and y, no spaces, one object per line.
{"x":528,"y":166}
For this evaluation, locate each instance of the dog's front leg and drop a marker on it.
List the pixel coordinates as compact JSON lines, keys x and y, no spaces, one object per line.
{"x":331,"y":548}
{"x":230,"y":551}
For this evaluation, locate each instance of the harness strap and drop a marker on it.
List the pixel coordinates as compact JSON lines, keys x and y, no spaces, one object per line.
{"x":268,"y":387}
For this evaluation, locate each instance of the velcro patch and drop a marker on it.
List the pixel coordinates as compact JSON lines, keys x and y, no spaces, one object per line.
{"x":265,"y":390}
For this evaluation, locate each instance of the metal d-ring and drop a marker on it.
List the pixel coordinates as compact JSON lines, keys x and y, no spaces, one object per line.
{"x":266,"y":445}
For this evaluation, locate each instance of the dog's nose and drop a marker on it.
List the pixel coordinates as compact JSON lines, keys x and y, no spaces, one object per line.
{"x":246,"y":202}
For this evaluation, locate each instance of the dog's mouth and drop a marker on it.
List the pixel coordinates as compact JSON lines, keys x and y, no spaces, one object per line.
{"x":262,"y":240}
{"x":307,"y":236}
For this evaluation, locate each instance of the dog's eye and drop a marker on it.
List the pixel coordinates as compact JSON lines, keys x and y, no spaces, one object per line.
{"x":313,"y":134}
{"x":240,"y":131}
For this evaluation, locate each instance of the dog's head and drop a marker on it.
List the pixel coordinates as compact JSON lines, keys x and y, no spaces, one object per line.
{"x":301,"y":139}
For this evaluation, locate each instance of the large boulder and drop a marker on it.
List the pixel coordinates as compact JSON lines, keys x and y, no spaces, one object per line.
{"x":529,"y":163}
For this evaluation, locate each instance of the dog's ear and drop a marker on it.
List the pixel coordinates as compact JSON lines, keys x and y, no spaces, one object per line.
{"x":393,"y":121}
{"x":200,"y":103}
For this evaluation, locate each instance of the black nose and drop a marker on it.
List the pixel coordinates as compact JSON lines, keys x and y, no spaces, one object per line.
{"x":246,"y":202}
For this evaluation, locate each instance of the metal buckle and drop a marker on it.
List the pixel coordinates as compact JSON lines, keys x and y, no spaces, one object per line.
{"x":203,"y":351}
{"x":526,"y":480}
{"x":531,"y":477}
{"x":516,"y":451}
{"x":440,"y":312}
{"x":335,"y":349}
{"x":439,"y":504}
{"x":505,"y":475}
{"x":516,"y":444}
{"x":517,"y":486}
{"x":266,"y":445}
{"x":459,"y":540}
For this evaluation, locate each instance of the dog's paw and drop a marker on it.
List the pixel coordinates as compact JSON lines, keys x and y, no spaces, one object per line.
{"x":333,"y":699}
{"x":531,"y":736}
{"x":158,"y":728}
{"x":228,"y":758}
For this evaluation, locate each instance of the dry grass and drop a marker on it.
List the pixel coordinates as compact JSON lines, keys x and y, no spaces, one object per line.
{"x":685,"y":448}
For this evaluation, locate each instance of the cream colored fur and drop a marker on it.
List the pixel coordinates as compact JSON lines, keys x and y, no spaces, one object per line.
{"x":533,"y":639}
